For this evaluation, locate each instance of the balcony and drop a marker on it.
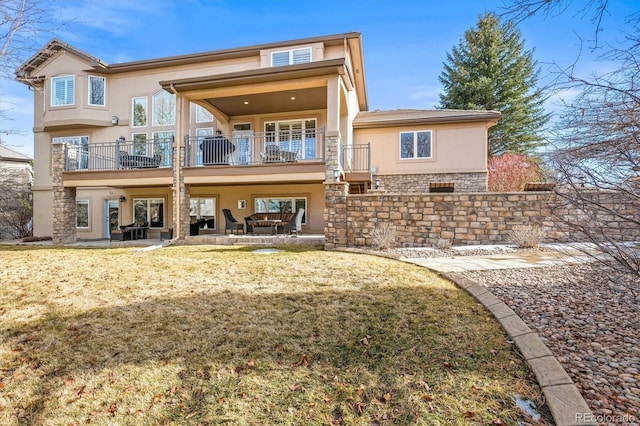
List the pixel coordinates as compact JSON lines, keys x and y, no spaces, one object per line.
{"x":119,"y":155}
{"x":245,"y":148}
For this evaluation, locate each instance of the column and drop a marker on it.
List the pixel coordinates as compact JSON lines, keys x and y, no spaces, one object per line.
{"x":64,"y":200}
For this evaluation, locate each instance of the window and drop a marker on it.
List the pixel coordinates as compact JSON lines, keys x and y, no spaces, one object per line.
{"x":202,"y":115}
{"x":82,"y":214}
{"x":291,"y":57}
{"x":163,"y":145}
{"x":415,"y":144}
{"x":203,"y":208}
{"x":63,"y":90}
{"x":139,"y":143}
{"x":97,"y":89}
{"x":149,"y":210}
{"x":203,"y":132}
{"x":296,"y":136}
{"x":139,"y":112}
{"x":164,"y":109}
{"x":281,"y":205}
{"x":77,"y":151}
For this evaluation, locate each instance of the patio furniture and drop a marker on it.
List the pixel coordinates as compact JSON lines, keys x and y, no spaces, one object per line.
{"x":230,"y":223}
{"x":138,"y":230}
{"x":120,"y":235}
{"x":166,"y":234}
{"x":266,"y":223}
{"x":194,"y":227}
{"x":294,"y":226}
{"x":137,"y":161}
{"x":271,"y":154}
{"x":216,"y":150}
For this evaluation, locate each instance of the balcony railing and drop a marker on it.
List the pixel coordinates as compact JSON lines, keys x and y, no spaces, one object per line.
{"x":356,"y":158}
{"x":138,"y":154}
{"x":245,"y":148}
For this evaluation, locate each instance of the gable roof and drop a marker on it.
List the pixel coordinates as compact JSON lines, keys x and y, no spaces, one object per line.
{"x":407,"y":117}
{"x":7,"y":154}
{"x":23,"y":73}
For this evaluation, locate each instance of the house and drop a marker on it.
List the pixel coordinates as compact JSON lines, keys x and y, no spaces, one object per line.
{"x":253,"y":129}
{"x":15,"y":177}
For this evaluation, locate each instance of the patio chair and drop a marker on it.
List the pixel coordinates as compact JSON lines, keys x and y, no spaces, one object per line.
{"x":294,"y":226}
{"x":230,"y":223}
{"x":271,"y":154}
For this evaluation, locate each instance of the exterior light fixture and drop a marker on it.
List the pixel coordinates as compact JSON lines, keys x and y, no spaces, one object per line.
{"x":122,"y":199}
{"x":293,"y":98}
{"x":336,"y":175}
{"x":377,"y":184}
{"x":246,"y":102}
{"x":114,"y":120}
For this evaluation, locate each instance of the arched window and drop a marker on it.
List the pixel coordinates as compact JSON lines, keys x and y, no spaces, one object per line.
{"x":164,"y":109}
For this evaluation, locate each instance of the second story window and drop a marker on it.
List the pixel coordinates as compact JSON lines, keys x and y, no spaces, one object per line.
{"x":291,"y":57}
{"x":97,"y":89}
{"x":164,"y":109}
{"x":63,"y":90}
{"x":139,"y":112}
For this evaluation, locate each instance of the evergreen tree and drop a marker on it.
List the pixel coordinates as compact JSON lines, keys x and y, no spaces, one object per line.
{"x":491,"y":70}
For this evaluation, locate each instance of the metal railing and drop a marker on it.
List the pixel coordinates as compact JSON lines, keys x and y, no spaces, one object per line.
{"x":118,"y":155}
{"x":245,"y":148}
{"x":356,"y":158}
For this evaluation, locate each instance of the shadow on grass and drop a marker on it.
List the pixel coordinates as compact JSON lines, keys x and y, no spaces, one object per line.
{"x":380,"y":354}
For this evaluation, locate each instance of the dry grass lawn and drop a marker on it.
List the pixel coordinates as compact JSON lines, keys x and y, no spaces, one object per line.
{"x":190,"y":335}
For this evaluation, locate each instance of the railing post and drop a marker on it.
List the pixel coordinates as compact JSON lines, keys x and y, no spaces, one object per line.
{"x":118,"y":159}
{"x":368,"y":156}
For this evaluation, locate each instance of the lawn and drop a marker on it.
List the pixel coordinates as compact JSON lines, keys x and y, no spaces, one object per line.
{"x":217,"y":335}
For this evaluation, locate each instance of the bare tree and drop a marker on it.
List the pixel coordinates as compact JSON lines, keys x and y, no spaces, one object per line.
{"x":23,"y":25}
{"x":597,"y":138}
{"x":16,"y":202}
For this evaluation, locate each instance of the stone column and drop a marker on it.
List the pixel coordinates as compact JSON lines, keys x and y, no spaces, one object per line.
{"x":181,"y":194}
{"x":335,"y":214}
{"x":64,"y":200}
{"x":335,"y":196}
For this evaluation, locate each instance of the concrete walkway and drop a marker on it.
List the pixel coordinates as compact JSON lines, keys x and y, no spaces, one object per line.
{"x":552,"y":255}
{"x":565,"y":402}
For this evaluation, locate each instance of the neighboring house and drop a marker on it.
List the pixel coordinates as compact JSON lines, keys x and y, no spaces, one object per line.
{"x":139,"y":142}
{"x":15,"y":176}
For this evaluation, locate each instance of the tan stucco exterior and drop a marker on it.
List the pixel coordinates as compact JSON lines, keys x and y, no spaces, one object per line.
{"x":242,"y":92}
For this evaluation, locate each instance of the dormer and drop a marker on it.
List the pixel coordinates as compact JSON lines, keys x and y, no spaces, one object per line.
{"x":292,"y":55}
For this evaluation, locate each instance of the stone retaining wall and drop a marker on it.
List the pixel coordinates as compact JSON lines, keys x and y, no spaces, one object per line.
{"x":410,"y":184}
{"x":420,"y":220}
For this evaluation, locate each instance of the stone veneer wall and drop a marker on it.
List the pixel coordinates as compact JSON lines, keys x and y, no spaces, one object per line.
{"x":64,"y":200}
{"x":472,"y":218}
{"x":416,"y":184}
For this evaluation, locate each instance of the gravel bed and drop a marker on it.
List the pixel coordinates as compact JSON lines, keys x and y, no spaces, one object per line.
{"x":589,"y":318}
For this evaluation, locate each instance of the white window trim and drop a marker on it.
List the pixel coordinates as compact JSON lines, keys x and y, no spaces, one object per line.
{"x":148,"y":218}
{"x":198,"y":107}
{"x":104,"y":90}
{"x":53,"y":90}
{"x":415,"y":145}
{"x":293,"y":203}
{"x":290,"y":52}
{"x":146,"y":111}
{"x":302,"y":128}
{"x":83,"y":201}
{"x":154,"y":107}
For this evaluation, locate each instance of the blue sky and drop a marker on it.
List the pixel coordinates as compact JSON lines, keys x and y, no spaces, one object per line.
{"x":405,"y":42}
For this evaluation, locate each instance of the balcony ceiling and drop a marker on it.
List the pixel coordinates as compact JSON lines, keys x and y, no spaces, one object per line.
{"x":260,"y":103}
